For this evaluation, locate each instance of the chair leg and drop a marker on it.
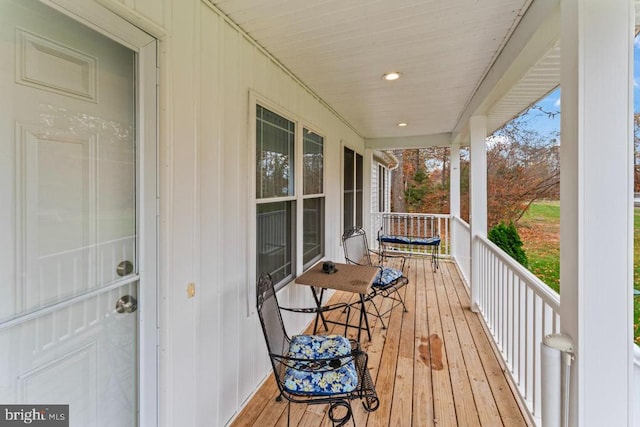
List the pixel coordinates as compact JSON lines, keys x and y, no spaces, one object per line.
{"x":347,"y":309}
{"x":336,"y":420}
{"x":402,"y":300}
{"x":434,"y":257}
{"x":378,"y":315}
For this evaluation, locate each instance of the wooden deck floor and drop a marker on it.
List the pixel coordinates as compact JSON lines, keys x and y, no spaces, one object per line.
{"x":433,"y":366}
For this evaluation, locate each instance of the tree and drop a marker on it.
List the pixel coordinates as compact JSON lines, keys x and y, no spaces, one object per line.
{"x":506,"y":237}
{"x":522,"y":166}
{"x":417,"y":182}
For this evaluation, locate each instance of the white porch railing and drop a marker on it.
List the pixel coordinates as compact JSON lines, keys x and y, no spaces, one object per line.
{"x":421,"y":226}
{"x":519,"y":310}
{"x":517,"y":307}
{"x":461,"y":247}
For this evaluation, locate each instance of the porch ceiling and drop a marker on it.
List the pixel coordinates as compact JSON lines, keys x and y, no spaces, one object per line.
{"x":445,"y":50}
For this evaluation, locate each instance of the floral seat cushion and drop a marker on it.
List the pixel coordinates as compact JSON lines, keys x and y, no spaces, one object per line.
{"x":328,"y":368}
{"x":387,"y":276}
{"x":394,"y":239}
{"x":429,"y":241}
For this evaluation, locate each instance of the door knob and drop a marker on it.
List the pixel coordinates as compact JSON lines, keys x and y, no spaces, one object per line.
{"x":126,"y":304}
{"x":124,"y":268}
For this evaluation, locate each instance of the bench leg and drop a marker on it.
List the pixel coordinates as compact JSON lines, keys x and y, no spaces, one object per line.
{"x":435,"y":249}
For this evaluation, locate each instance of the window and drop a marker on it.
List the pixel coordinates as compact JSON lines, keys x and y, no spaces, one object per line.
{"x":282,"y":201}
{"x":382,"y":186}
{"x":313,"y":206}
{"x":352,"y":192}
{"x":275,"y":140}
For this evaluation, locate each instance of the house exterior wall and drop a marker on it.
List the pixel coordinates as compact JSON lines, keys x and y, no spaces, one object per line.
{"x":230,"y":67}
{"x":375,"y":185}
{"x":212,"y":354}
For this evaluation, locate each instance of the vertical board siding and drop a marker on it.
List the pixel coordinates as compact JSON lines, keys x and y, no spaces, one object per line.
{"x":210,"y":165}
{"x":213,"y":354}
{"x":231,"y":66}
{"x":247,"y":355}
{"x":231,"y":217}
{"x":179,"y":229}
{"x":375,"y":184}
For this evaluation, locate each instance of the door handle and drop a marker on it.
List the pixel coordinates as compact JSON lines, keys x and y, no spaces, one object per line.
{"x":124,"y":268}
{"x":126,"y":304}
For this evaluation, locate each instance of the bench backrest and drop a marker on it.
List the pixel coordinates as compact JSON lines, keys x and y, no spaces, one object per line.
{"x":408,"y":225}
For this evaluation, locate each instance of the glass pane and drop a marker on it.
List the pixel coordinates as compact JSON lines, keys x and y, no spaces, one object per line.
{"x":274,"y":239}
{"x":359,"y":183}
{"x":382,"y":185}
{"x":313,"y":238}
{"x":68,"y":168}
{"x":68,"y":217}
{"x":275,"y":140}
{"x":313,"y":163}
{"x":348,"y":191}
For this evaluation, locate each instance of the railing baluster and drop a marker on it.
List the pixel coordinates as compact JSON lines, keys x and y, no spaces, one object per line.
{"x":519,"y":310}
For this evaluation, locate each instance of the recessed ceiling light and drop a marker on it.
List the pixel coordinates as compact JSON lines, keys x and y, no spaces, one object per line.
{"x":391,"y":76}
{"x":403,"y":124}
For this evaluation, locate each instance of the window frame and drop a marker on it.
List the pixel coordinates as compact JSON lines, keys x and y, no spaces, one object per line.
{"x":354,"y":190}
{"x":313,"y":196}
{"x":297,"y":198}
{"x":382,"y":187}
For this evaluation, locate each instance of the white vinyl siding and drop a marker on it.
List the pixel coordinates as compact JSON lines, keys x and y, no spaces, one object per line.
{"x":212,"y":355}
{"x":379,"y":187}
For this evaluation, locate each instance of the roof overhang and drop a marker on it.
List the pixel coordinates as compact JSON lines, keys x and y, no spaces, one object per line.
{"x":527,"y":69}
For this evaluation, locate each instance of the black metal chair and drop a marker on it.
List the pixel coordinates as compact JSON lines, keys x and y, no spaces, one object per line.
{"x":388,"y":282}
{"x":320,"y":310}
{"x":314,"y":369}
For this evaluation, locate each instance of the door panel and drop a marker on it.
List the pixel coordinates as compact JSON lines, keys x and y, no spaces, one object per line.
{"x":67,"y":174}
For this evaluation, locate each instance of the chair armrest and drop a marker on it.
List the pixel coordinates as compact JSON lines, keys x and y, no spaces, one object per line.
{"x":394,"y":256}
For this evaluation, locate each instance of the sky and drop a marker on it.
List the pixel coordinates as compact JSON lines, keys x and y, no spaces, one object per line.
{"x":540,"y":121}
{"x":551,"y":103}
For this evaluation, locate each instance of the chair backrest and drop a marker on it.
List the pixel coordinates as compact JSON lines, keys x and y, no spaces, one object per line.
{"x":268,"y":308}
{"x":356,"y":248}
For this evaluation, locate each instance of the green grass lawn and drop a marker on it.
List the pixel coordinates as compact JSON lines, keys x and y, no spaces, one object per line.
{"x":547,"y":211}
{"x":539,"y":229}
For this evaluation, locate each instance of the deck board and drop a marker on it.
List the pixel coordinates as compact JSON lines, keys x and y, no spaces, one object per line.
{"x":443,"y":399}
{"x":433,"y":366}
{"x":423,"y":414}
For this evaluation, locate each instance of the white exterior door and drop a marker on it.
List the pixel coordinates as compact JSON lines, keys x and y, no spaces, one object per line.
{"x":68,"y":217}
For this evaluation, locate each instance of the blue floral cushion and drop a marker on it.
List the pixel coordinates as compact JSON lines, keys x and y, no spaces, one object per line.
{"x":387,"y":276}
{"x":429,"y":241}
{"x":394,"y":239}
{"x":324,"y":372}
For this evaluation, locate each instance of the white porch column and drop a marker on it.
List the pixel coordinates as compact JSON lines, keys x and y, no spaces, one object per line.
{"x":478,"y":195}
{"x":454,"y":192}
{"x":596,"y":255}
